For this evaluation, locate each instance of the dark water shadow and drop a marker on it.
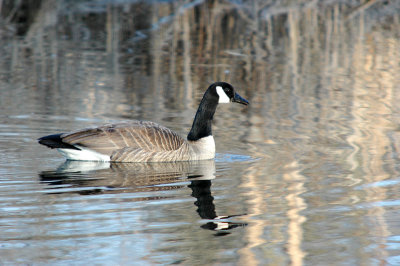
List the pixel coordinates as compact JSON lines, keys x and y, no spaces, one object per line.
{"x":90,"y":178}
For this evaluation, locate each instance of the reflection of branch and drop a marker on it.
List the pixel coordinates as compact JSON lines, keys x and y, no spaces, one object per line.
{"x":270,"y":11}
{"x":360,"y":9}
{"x":13,"y":11}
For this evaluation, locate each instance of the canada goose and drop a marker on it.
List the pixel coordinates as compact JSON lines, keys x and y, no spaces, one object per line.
{"x":145,"y":141}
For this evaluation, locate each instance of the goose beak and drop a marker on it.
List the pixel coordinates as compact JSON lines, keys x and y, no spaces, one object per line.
{"x":239,"y":99}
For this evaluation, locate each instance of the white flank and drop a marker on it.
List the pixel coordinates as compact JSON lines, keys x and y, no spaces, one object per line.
{"x":83,"y":155}
{"x":223,"y":98}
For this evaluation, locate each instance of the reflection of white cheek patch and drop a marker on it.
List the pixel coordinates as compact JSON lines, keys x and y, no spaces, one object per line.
{"x":223,"y":98}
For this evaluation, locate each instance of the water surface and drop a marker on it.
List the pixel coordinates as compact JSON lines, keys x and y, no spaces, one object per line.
{"x":307,"y":174}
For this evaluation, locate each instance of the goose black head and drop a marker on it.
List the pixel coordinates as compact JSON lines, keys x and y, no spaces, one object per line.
{"x":226,"y":93}
{"x":218,"y":92}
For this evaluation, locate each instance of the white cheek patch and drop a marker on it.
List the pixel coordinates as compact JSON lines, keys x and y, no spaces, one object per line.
{"x":223,"y":98}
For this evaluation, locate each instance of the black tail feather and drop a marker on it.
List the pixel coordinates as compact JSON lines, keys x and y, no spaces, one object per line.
{"x":55,"y":142}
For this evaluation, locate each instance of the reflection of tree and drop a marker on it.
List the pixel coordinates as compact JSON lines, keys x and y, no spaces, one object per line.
{"x":189,"y":45}
{"x":148,"y":52}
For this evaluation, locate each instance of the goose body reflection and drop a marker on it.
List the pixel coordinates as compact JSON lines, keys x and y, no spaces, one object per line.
{"x":106,"y":177}
{"x":88,"y":178}
{"x":145,"y":141}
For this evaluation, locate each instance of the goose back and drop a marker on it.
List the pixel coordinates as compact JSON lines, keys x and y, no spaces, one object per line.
{"x":130,"y":141}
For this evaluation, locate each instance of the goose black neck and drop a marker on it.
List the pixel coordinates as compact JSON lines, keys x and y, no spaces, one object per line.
{"x":202,"y":121}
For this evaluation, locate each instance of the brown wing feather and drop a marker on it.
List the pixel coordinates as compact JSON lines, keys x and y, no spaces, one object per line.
{"x":143,"y":135}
